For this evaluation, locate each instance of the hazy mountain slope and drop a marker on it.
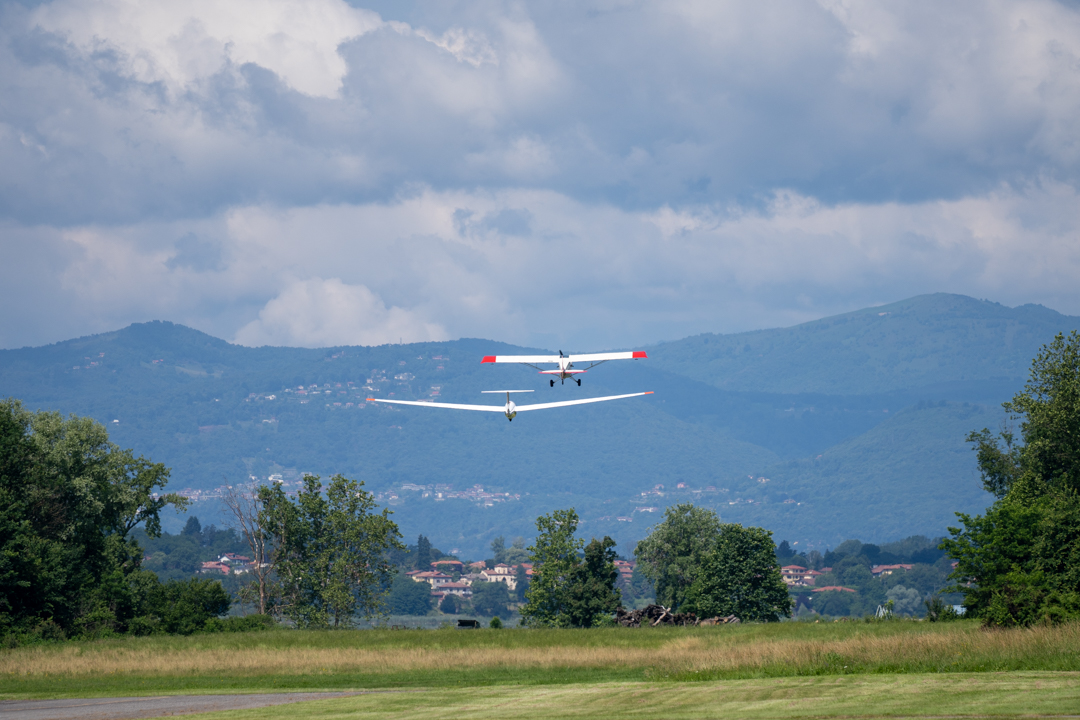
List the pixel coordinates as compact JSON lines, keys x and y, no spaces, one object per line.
{"x":930,"y":340}
{"x":720,"y":419}
{"x":909,"y":475}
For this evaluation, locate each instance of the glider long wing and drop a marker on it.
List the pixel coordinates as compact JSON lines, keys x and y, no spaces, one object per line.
{"x":564,"y":403}
{"x":502,"y":408}
{"x":451,"y":406}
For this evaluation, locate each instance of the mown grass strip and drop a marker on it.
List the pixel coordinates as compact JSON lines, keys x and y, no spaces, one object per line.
{"x":870,"y":696}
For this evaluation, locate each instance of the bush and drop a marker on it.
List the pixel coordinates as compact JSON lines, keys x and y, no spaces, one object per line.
{"x":1026,"y":599}
{"x":938,"y":611}
{"x":247,"y":623}
{"x":182,"y":607}
{"x":495,"y":623}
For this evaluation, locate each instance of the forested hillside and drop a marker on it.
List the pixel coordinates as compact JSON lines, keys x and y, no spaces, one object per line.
{"x":847,"y":426}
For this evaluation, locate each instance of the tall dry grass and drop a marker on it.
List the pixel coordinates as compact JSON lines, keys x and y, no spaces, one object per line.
{"x":689,"y":656}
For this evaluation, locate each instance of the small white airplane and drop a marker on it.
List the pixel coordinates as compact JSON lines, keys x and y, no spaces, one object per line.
{"x":510,"y":409}
{"x":565,"y":362}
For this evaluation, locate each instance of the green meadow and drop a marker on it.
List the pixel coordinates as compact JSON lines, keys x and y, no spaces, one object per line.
{"x":754,"y":670}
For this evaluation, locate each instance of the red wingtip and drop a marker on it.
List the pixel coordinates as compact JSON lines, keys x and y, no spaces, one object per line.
{"x":371,"y":399}
{"x":487,"y":358}
{"x":649,"y":393}
{"x":639,"y":354}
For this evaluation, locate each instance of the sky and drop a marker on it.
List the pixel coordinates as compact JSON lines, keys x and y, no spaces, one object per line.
{"x":577,"y":175}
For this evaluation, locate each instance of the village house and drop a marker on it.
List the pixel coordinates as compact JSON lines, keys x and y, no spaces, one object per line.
{"x":501,"y":573}
{"x":626,"y":569}
{"x":455,"y":588}
{"x":827,"y":588}
{"x":449,"y":565}
{"x":434,"y":578}
{"x":883,"y":570}
{"x":213,"y":566}
{"x":798,"y":576}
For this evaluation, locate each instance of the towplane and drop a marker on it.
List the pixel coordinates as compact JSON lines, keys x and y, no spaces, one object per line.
{"x":510,"y":409}
{"x":566,"y":369}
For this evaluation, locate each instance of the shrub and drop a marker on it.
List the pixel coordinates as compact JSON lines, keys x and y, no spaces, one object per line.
{"x":246,"y":623}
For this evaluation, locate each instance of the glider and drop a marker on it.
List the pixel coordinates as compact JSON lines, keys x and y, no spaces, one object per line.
{"x":510,"y":409}
{"x":565,"y":362}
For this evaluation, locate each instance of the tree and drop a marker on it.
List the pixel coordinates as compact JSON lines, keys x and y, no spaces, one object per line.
{"x":69,"y":499}
{"x":490,"y":598}
{"x":248,"y":511}
{"x":450,"y":605}
{"x":192,"y":526}
{"x":513,"y":555}
{"x":184,"y":606}
{"x":554,"y":555}
{"x":740,"y":576}
{"x":521,"y":583}
{"x":423,"y":553}
{"x":674,"y":551}
{"x":498,"y":548}
{"x":1020,"y":563}
{"x":592,"y":594}
{"x":332,"y":559}
{"x":408,"y":597}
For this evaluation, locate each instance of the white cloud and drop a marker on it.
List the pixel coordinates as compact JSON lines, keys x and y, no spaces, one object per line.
{"x":603,"y":172}
{"x":537,"y":267}
{"x":320,"y":313}
{"x":182,"y":43}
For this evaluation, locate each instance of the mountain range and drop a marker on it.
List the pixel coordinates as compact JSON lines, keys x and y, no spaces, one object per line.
{"x":848,"y":426}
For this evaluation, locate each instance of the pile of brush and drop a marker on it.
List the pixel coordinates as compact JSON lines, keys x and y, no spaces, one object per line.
{"x":653,"y":615}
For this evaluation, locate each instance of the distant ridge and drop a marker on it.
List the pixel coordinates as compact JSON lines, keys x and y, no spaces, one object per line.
{"x":922,"y":341}
{"x":851,"y":425}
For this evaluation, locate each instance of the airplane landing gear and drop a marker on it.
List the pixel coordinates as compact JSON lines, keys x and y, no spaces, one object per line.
{"x":578,"y":382}
{"x":552,"y":383}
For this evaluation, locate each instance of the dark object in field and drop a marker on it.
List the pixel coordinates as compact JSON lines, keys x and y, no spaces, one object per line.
{"x":468,"y":624}
{"x":653,"y":615}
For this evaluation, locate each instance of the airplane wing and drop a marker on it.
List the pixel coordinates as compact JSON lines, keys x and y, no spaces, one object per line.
{"x":451,"y":406}
{"x":564,"y":403}
{"x":603,"y":357}
{"x":524,"y":359}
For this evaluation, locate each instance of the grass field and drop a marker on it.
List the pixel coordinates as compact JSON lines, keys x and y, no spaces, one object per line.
{"x":866,"y":696}
{"x":753,"y":670}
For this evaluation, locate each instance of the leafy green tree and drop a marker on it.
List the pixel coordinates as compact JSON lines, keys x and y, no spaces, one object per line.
{"x":592,"y":594}
{"x":674,"y":551}
{"x":192,"y":526}
{"x":69,"y":499}
{"x":1020,"y":562}
{"x":332,"y":561}
{"x":408,"y":597}
{"x":554,"y":555}
{"x":490,"y":598}
{"x":740,"y":576}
